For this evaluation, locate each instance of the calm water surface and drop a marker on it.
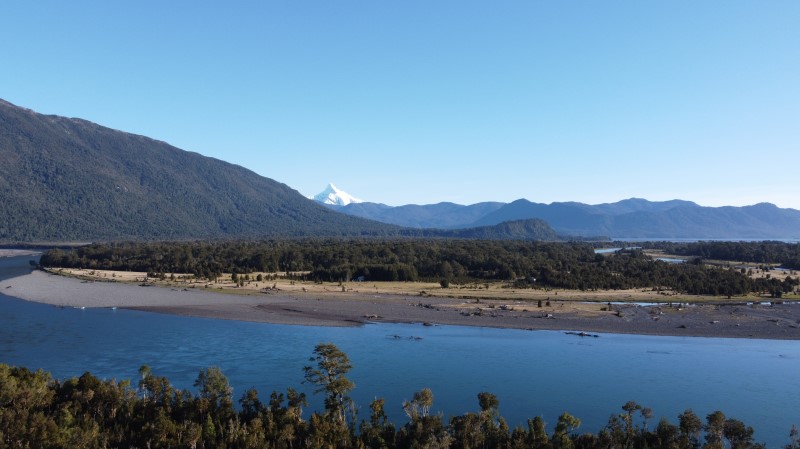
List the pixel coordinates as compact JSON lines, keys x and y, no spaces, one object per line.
{"x":532,"y":373}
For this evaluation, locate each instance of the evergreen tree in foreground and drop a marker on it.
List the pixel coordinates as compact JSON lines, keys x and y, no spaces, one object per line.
{"x":37,"y":411}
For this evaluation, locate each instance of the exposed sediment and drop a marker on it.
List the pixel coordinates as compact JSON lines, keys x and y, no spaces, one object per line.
{"x":734,"y":320}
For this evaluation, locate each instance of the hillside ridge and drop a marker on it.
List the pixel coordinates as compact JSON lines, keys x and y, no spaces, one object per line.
{"x":71,"y":180}
{"x":629,"y":218}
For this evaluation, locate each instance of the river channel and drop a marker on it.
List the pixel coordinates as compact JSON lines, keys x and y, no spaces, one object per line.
{"x":533,"y":373}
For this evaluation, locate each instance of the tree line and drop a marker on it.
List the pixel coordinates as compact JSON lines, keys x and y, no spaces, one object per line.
{"x":38,"y":411}
{"x":784,"y":254}
{"x":524,"y":264}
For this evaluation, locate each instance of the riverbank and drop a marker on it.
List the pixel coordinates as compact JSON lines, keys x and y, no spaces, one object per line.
{"x":18,"y":252}
{"x":354,"y":308}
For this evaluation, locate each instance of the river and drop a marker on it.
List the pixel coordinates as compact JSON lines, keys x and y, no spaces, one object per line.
{"x":531,"y":372}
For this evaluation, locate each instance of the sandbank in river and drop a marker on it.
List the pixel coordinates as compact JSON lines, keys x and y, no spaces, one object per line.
{"x":349,"y":308}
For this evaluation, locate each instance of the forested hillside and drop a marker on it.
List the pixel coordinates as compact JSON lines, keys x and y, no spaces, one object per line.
{"x":631,"y":218}
{"x":440,"y":215}
{"x":68,"y":179}
{"x":637,"y":218}
{"x":64,"y":179}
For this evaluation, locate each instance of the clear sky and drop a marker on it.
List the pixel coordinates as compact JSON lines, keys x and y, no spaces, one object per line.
{"x":421,"y":101}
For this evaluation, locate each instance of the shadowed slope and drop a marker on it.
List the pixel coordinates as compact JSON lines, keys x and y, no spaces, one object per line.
{"x":70,"y":179}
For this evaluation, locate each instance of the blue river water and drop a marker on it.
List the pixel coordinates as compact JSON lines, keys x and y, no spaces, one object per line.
{"x":533,"y":373}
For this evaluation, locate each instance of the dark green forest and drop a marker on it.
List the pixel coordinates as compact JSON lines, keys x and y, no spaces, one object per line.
{"x":70,"y":180}
{"x":786,"y":255}
{"x":522,"y":264}
{"x":37,"y":411}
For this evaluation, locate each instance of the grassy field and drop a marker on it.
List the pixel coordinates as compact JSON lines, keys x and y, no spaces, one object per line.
{"x":499,"y":291}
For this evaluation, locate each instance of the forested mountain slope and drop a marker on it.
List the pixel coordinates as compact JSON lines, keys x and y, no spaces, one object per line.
{"x":440,"y":215}
{"x":637,"y":218}
{"x":70,"y":180}
{"x":65,"y":179}
{"x":630,"y":218}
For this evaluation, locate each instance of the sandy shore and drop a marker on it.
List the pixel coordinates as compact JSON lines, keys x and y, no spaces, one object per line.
{"x":778,"y":321}
{"x":18,"y":252}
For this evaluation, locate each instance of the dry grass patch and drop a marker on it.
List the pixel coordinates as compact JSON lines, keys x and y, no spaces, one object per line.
{"x":485,"y":291}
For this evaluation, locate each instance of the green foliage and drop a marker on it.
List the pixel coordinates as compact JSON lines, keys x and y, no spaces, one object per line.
{"x":531,"y":229}
{"x":528,"y":264}
{"x":213,"y":386}
{"x":328,"y":374}
{"x":766,"y":252}
{"x":65,"y":179}
{"x":37,"y":411}
{"x":420,"y":406}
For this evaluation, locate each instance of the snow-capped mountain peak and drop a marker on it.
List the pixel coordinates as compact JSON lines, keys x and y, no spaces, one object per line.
{"x":333,"y":196}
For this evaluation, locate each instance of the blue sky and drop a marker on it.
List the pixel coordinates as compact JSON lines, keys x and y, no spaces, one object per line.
{"x":427,"y":101}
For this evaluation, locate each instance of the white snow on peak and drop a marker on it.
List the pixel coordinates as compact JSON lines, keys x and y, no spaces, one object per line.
{"x":334,"y":196}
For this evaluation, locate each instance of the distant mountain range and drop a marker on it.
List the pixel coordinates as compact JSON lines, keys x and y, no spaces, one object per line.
{"x":633,"y":218}
{"x":441,"y":215}
{"x":638,"y":218}
{"x":66,"y":179}
{"x":70,"y":180}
